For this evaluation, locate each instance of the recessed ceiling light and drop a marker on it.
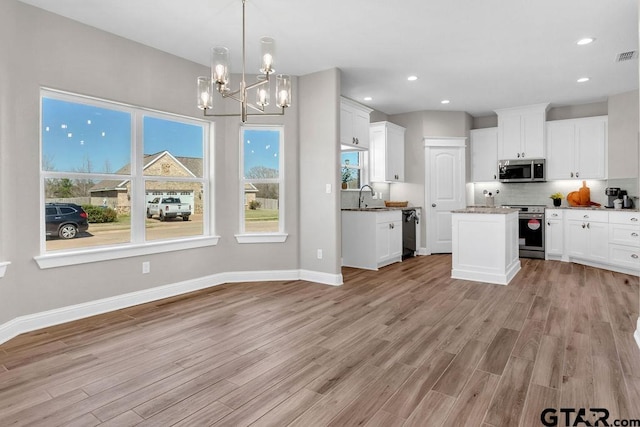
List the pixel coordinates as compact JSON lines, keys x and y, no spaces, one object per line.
{"x":412,"y":78}
{"x":583,"y":79}
{"x":367,"y":98}
{"x":444,"y":101}
{"x":584,"y":41}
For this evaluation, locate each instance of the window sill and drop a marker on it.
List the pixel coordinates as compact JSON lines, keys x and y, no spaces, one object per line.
{"x":3,"y":268}
{"x":262,"y":238}
{"x":61,"y":259}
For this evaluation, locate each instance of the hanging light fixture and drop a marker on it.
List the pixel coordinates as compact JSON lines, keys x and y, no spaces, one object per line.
{"x":219,"y":81}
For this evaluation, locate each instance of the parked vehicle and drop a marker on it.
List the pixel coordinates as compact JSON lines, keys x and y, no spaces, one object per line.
{"x":65,"y":220}
{"x":168,"y":207}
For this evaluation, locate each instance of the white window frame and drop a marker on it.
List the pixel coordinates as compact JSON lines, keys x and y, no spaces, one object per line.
{"x":363,"y":158}
{"x":267,"y":237}
{"x":137,"y":245}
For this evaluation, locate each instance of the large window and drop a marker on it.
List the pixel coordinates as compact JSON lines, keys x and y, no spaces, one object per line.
{"x":352,"y":164}
{"x":102,"y":166}
{"x":262,"y":180}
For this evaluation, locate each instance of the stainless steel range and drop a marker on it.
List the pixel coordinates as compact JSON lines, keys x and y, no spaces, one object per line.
{"x":531,"y":230}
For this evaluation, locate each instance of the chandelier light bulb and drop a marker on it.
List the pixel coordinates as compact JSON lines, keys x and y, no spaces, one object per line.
{"x":268,"y":48}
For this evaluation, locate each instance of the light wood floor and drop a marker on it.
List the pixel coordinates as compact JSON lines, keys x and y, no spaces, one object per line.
{"x":403,"y":346}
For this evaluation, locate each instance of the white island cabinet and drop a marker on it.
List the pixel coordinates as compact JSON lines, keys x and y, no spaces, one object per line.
{"x":371,"y":238}
{"x":485,"y":244}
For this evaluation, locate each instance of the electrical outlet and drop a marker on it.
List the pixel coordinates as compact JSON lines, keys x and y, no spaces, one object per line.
{"x":319,"y":254}
{"x":146,"y":267}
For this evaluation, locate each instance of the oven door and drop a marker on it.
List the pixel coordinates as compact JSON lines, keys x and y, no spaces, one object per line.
{"x":531,"y":231}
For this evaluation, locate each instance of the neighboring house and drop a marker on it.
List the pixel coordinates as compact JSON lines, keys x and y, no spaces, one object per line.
{"x":117,"y":193}
{"x":250,"y":192}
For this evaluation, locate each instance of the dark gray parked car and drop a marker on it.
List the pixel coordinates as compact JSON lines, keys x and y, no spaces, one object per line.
{"x":65,"y":220}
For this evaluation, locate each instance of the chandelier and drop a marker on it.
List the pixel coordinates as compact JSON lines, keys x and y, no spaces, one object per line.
{"x":220,"y":82}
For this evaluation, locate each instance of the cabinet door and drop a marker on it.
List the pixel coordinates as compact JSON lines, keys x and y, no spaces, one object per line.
{"x":383,"y":241}
{"x":532,"y":146}
{"x":395,"y":239}
{"x":484,"y":155}
{"x":554,"y":240}
{"x":510,"y":136}
{"x":560,"y":138}
{"x":598,"y":241}
{"x":361,"y":128}
{"x":395,"y":155}
{"x":577,"y":239}
{"x":591,"y":148}
{"x":347,"y":119}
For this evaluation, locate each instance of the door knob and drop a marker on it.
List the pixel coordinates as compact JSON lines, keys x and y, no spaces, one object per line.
{"x":433,"y":205}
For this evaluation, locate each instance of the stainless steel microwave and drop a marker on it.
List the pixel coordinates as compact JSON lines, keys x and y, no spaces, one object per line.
{"x":521,"y":170}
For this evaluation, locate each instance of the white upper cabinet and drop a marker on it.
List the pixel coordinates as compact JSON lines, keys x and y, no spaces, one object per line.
{"x":387,"y":152}
{"x":484,"y":154}
{"x":577,"y":148}
{"x":354,"y":125}
{"x":521,"y":132}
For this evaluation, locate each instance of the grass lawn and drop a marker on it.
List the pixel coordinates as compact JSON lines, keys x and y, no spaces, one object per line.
{"x":261,"y":214}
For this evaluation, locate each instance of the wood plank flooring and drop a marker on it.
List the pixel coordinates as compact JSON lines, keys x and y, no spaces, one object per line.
{"x":405,"y":346}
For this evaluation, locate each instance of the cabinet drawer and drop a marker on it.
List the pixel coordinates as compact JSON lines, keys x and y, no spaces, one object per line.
{"x":588,"y":215}
{"x":553,"y":213}
{"x":632,"y":218}
{"x":624,"y":256}
{"x":388,"y":216}
{"x":624,"y":234}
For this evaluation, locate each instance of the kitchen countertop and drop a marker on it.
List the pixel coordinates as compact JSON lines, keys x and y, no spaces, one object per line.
{"x":380,"y":208}
{"x":594,"y":208}
{"x":485,"y":210}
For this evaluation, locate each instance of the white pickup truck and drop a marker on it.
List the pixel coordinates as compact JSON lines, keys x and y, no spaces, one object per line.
{"x":168,"y":207}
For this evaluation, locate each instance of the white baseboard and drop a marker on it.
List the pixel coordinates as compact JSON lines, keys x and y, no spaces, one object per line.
{"x":32,"y":322}
{"x":636,"y":335}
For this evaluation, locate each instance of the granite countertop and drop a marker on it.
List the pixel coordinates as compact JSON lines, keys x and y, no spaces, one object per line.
{"x":594,"y":208}
{"x":380,"y":208}
{"x":485,"y":210}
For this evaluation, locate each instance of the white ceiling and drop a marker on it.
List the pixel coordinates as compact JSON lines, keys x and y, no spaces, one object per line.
{"x":480,"y":54}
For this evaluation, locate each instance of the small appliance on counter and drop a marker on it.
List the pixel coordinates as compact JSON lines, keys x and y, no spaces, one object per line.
{"x":617,"y":198}
{"x":612,"y":194}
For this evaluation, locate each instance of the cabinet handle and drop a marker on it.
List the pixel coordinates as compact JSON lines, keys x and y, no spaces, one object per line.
{"x":634,"y":219}
{"x":494,"y":177}
{"x":588,"y":225}
{"x":634,"y":234}
{"x":523,"y":155}
{"x":583,"y":226}
{"x":518,"y":155}
{"x":433,"y":205}
{"x":586,"y":216}
{"x":571,"y":174}
{"x":549,"y":223}
{"x":577,"y":175}
{"x":554,"y":214}
{"x":634,"y":256}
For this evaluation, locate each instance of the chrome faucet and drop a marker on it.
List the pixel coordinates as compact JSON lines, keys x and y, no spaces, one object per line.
{"x":360,"y":198}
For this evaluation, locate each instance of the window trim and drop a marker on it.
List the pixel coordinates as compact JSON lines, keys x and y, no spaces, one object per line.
{"x":137,"y":245}
{"x":280,"y":236}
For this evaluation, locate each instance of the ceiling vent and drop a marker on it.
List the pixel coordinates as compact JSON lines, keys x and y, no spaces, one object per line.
{"x":627,"y":56}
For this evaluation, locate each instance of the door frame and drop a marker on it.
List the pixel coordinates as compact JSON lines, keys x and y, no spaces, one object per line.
{"x":459,"y":142}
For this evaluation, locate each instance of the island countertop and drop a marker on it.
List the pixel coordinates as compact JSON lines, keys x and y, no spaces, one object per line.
{"x":485,"y":210}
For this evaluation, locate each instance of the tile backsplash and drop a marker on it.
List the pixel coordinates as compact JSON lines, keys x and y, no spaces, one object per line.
{"x":349,"y":198}
{"x":537,"y":193}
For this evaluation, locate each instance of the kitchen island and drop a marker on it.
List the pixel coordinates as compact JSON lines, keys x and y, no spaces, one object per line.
{"x":485,"y":244}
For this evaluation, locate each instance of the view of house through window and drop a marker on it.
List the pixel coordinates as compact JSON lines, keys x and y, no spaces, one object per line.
{"x":261,"y":179}
{"x":351,"y":169}
{"x":100,"y":177}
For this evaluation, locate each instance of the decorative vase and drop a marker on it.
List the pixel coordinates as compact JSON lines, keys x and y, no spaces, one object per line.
{"x":557,"y":202}
{"x":344,"y":185}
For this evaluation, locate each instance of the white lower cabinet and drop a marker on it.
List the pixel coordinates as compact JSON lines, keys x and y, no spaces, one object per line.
{"x":554,"y":232}
{"x":371,"y":239}
{"x":604,"y":239}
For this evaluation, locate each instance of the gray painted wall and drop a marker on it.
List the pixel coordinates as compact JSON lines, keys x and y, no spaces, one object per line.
{"x":320,"y":155}
{"x":623,"y":135}
{"x":59,"y":53}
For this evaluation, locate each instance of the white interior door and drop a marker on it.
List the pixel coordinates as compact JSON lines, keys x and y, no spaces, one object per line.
{"x":444,"y":189}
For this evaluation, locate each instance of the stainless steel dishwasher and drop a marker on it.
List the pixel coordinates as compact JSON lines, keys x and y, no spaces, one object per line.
{"x":409,"y":222}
